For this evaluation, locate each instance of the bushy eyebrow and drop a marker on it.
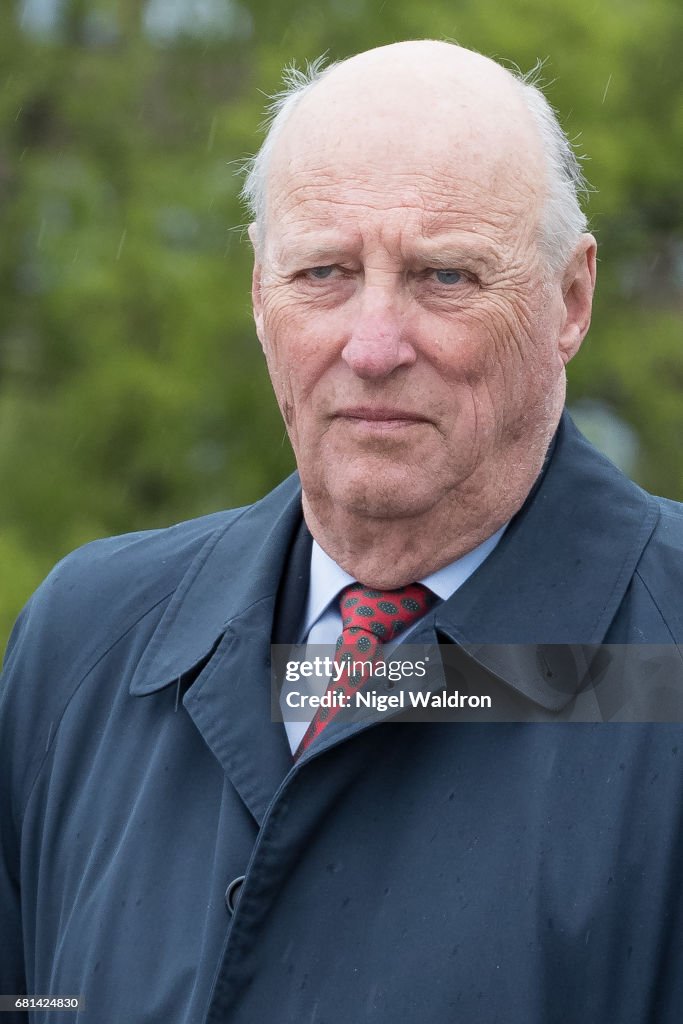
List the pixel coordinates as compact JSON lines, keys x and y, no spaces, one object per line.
{"x":316,"y":249}
{"x":446,"y":254}
{"x":313,"y":256}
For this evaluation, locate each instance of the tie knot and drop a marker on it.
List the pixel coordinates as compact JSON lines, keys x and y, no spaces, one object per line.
{"x":385,"y":613}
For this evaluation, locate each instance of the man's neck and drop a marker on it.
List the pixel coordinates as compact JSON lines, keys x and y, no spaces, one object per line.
{"x":389,"y":553}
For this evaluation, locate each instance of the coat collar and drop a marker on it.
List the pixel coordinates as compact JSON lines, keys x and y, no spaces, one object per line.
{"x":563,"y":565}
{"x":215,"y":638}
{"x":237,"y":571}
{"x":534,"y":612}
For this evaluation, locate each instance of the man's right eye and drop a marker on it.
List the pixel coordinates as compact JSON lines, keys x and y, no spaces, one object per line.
{"x":320,"y":273}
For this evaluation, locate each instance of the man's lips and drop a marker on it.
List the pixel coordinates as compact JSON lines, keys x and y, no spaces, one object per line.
{"x":382,"y":421}
{"x":380,"y":414}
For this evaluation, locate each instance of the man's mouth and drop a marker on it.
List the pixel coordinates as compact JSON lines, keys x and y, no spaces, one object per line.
{"x":380,"y":417}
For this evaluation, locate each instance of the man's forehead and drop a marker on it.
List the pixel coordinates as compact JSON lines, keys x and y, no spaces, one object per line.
{"x":345,"y":214}
{"x":320,"y":210}
{"x":426,"y":146}
{"x":357,"y":138}
{"x":391,"y":235}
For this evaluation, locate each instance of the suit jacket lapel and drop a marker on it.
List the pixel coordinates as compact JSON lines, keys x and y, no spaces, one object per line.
{"x":293,"y":591}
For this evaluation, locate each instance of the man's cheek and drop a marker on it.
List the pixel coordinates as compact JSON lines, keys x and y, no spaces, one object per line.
{"x":282,"y":386}
{"x":293,"y":386}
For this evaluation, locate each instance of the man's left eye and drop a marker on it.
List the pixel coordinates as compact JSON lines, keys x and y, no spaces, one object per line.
{"x":448,"y":276}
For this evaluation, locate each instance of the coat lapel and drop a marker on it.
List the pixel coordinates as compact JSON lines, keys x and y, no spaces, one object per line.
{"x":214,"y":641}
{"x":563,"y":565}
{"x":534,"y":611}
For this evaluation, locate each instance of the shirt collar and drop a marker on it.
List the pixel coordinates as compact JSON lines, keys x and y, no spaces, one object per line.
{"x":328,"y":579}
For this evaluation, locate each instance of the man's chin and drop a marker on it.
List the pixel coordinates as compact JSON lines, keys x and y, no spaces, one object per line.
{"x":372,"y":486}
{"x":401,"y":498}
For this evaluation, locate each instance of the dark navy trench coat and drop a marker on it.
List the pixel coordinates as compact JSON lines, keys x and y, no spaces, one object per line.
{"x":400,"y":873}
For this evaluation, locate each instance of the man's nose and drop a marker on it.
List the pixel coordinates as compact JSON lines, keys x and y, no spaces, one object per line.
{"x":377,"y":345}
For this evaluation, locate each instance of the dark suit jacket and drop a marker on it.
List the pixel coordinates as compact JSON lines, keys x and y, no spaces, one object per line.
{"x":399,"y":872}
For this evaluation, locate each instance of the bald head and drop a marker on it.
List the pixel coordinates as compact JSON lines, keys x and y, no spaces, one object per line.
{"x":419,"y":92}
{"x":462,"y":114}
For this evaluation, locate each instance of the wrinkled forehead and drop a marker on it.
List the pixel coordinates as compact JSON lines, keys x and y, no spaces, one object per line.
{"x":439,"y":148}
{"x":320,"y":219}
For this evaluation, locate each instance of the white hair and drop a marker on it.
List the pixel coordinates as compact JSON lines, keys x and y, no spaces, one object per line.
{"x":563,"y":220}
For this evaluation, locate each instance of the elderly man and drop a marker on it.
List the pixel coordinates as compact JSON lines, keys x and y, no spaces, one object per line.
{"x":172,"y":854}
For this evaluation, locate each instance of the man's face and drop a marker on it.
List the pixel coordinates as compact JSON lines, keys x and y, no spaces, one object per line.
{"x":409,"y":327}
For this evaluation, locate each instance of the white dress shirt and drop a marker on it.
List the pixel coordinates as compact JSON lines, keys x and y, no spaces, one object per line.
{"x":322,"y":619}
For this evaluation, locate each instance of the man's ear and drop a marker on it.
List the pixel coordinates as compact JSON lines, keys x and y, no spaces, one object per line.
{"x":578,"y":284}
{"x":256,"y":282}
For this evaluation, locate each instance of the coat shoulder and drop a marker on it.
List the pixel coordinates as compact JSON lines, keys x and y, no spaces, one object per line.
{"x":104,"y":591}
{"x":97,"y":592}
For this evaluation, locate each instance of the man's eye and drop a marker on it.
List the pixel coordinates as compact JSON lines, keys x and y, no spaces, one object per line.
{"x":448,"y":276}
{"x":320,"y":273}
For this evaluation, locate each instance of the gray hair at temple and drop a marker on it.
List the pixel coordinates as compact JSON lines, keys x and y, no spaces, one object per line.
{"x":563,"y":220}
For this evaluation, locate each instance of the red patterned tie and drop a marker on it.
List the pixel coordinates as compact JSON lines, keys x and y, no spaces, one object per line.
{"x":369,"y":619}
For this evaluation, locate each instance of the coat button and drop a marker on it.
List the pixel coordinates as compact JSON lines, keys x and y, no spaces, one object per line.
{"x":232,"y":893}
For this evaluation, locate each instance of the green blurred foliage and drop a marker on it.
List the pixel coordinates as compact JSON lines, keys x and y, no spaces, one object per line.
{"x":132,"y":388}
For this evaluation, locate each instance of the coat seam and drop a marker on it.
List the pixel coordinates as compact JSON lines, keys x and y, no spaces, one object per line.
{"x":656,"y":604}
